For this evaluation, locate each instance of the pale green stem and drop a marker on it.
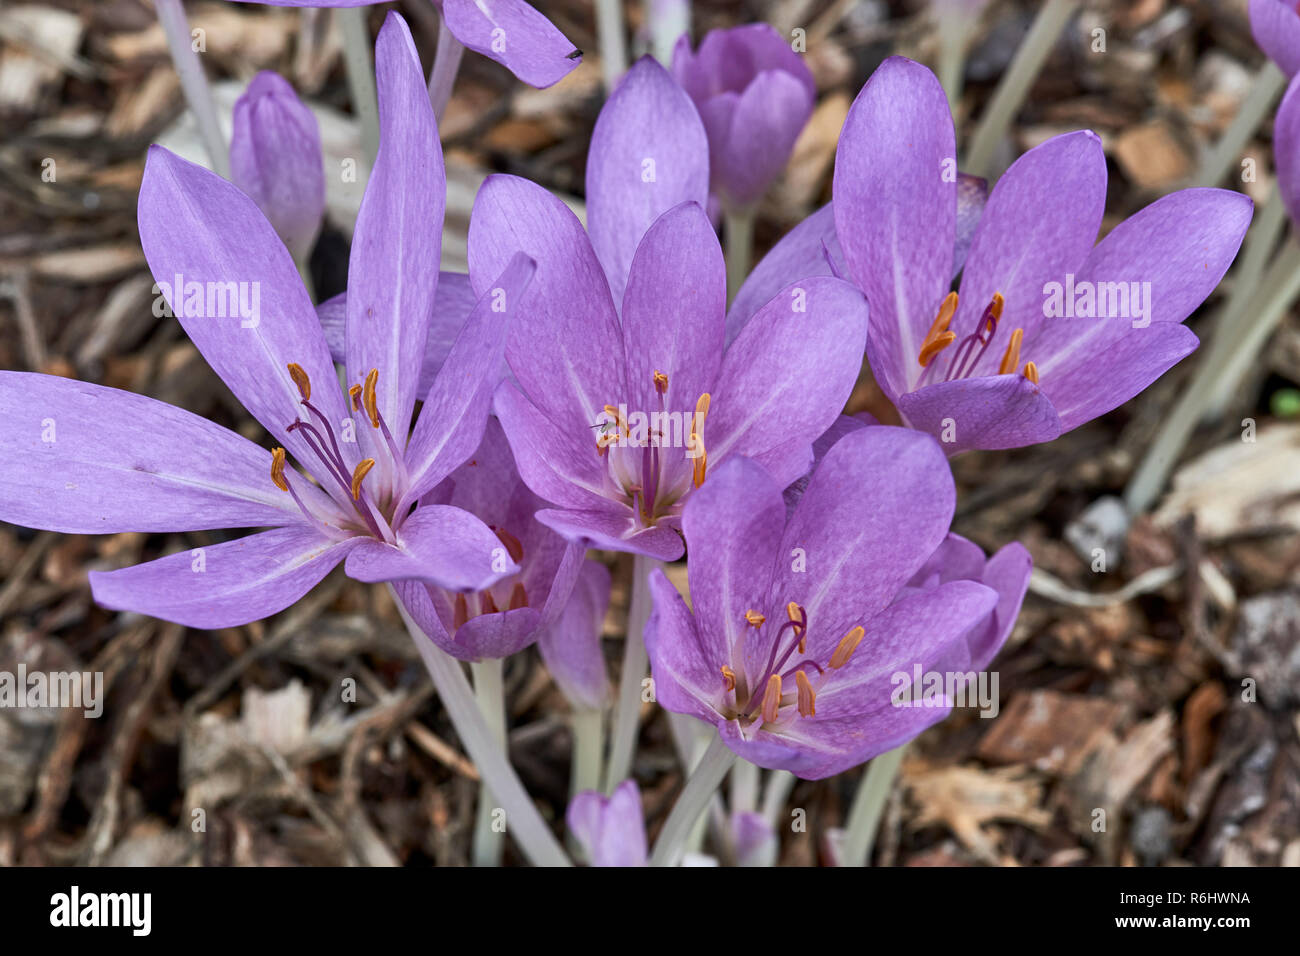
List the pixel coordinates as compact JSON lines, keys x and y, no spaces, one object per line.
{"x":194,"y":83}
{"x":361,"y":76}
{"x":1240,"y":330}
{"x":530,"y":832}
{"x":1015,"y":83}
{"x":695,"y":796}
{"x":779,"y":785}
{"x":868,"y":803}
{"x":489,"y":691}
{"x":627,"y":713}
{"x":744,"y":787}
{"x":588,"y":749}
{"x":668,"y":20}
{"x":954,"y":30}
{"x":1268,"y":86}
{"x":446,"y":64}
{"x":738,"y":237}
{"x":610,"y":37}
{"x":690,"y":737}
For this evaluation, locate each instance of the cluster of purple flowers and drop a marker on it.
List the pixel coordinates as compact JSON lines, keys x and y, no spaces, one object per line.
{"x":588,"y":387}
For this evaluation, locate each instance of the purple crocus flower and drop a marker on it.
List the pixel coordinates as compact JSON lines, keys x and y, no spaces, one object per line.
{"x":801,"y":624}
{"x":87,"y":459}
{"x":510,"y":614}
{"x":754,"y":94}
{"x":511,"y":32}
{"x":610,"y":829}
{"x":1046,"y":331}
{"x":607,"y":417}
{"x":1275,"y":25}
{"x":275,"y":158}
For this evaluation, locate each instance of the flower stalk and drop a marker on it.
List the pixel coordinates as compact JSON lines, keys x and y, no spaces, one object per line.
{"x":361,"y":76}
{"x":700,"y":786}
{"x":868,"y":804}
{"x":446,"y":64}
{"x":525,"y":823}
{"x":588,"y":749}
{"x":1015,"y":83}
{"x":627,"y":712}
{"x":613,"y":47}
{"x":738,"y":234}
{"x":194,"y":82}
{"x":1264,"y":93}
{"x":489,"y":692}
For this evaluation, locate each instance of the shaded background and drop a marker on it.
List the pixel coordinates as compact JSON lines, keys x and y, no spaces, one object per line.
{"x":1126,"y":700}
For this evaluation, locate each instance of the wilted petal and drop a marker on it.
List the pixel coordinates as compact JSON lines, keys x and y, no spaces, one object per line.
{"x":648,"y":153}
{"x":84,"y":459}
{"x":276,"y":159}
{"x":896,"y":210}
{"x":439,"y":545}
{"x":393,"y":267}
{"x":227,"y":584}
{"x":997,"y":411}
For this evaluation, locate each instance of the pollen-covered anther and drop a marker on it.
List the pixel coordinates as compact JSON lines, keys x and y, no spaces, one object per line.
{"x":701,"y":467}
{"x":807,"y":696}
{"x":487,"y":605}
{"x":1031,"y":372}
{"x":1011,"y":358}
{"x":355,"y":394}
{"x":847,"y":645}
{"x":772,"y":699}
{"x":621,"y":423}
{"x":301,"y":380}
{"x":997,"y":305}
{"x":661,"y":382}
{"x":518,"y":597}
{"x":277,"y":469}
{"x":939,"y":338}
{"x":729,"y":676}
{"x":359,"y":474}
{"x":369,"y":399}
{"x":795,"y":613}
{"x":754,"y":619}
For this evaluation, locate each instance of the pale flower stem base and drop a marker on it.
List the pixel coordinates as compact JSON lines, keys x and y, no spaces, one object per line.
{"x":1264,"y":92}
{"x":446,"y":64}
{"x":738,"y":241}
{"x":954,"y":31}
{"x":489,"y":691}
{"x":868,"y":803}
{"x":588,"y":750}
{"x":1240,"y":331}
{"x":1015,"y":83}
{"x":194,"y":83}
{"x":779,"y":785}
{"x":668,"y":19}
{"x":744,"y":787}
{"x":361,"y":76}
{"x":690,"y":738}
{"x":628,"y":709}
{"x":524,"y":823}
{"x":610,"y":32}
{"x":695,"y":796}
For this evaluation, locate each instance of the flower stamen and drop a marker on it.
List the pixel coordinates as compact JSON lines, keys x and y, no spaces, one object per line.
{"x":807,"y":696}
{"x":277,"y":469}
{"x":772,"y":699}
{"x":358,"y":474}
{"x":729,"y":676}
{"x":1011,"y":358}
{"x":1031,"y":372}
{"x":847,"y":645}
{"x":301,"y":380}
